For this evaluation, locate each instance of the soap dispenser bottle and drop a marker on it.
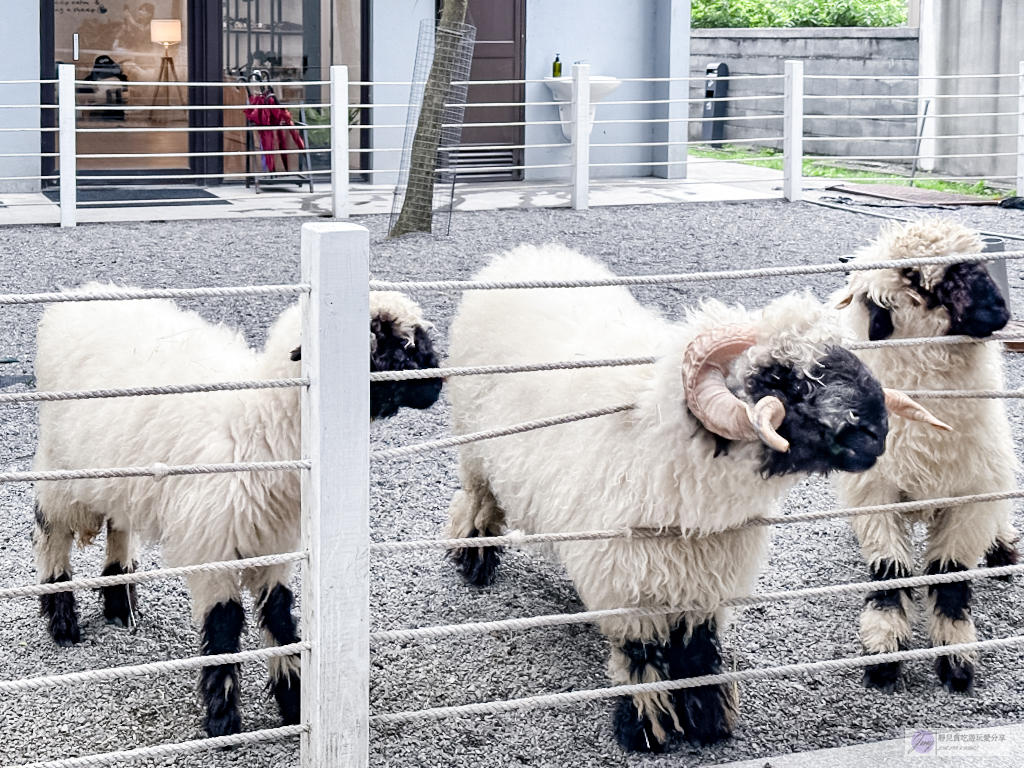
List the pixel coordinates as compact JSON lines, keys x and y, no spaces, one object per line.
{"x":556,"y":67}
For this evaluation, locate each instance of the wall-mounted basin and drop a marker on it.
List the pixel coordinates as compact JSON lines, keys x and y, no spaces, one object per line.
{"x":561,"y":91}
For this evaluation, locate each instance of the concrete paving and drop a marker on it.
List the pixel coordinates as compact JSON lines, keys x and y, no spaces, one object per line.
{"x":1001,"y":747}
{"x":708,"y":181}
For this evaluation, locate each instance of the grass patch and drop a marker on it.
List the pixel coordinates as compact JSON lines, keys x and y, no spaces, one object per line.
{"x":765,"y":157}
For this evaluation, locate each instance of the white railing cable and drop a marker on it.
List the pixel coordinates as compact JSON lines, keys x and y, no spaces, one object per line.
{"x":152,"y":668}
{"x":123,"y":294}
{"x":170,"y":389}
{"x":157,"y":471}
{"x":520,"y":539}
{"x":159,"y":751}
{"x":515,"y":429}
{"x":690,"y":277}
{"x":905,"y":117}
{"x":143,"y":577}
{"x":589,"y":617}
{"x":764,"y":673}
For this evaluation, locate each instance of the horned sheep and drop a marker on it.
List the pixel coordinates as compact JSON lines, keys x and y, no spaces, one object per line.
{"x":977,"y":457}
{"x":202,"y":518}
{"x":739,"y":407}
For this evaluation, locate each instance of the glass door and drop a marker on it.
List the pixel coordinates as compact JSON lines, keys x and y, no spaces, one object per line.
{"x":115,"y":47}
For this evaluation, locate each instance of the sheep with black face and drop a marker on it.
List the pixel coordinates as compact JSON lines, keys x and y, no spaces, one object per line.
{"x":740,"y":406}
{"x":977,"y":457}
{"x":201,"y":518}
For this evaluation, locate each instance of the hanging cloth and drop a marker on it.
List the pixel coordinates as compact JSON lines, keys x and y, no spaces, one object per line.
{"x":268,"y":112}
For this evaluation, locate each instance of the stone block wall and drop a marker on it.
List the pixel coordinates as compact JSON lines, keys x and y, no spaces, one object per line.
{"x":875,"y":52}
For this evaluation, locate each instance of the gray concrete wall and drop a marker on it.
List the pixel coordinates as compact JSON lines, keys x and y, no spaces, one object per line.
{"x":19,"y":60}
{"x":878,"y":52}
{"x":963,"y":38}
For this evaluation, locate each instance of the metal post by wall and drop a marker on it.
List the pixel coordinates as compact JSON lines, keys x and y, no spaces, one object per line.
{"x":339,"y":142}
{"x":336,"y":496}
{"x":68,"y":144}
{"x":1020,"y":129}
{"x":793,"y":132}
{"x":581,"y":136}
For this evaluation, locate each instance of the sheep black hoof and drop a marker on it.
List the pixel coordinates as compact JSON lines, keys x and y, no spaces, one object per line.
{"x":704,"y":714}
{"x":883,"y":677}
{"x":633,"y":732}
{"x":955,"y":674}
{"x":119,"y":601}
{"x":60,"y":609}
{"x":477,"y":565}
{"x":287,"y":690}
{"x":999,"y":555}
{"x":219,"y":686}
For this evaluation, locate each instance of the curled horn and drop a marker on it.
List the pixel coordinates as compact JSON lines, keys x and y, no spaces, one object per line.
{"x":898,"y":403}
{"x":704,"y":367}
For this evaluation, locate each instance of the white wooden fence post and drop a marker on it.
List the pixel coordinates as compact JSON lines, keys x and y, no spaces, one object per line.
{"x":793,"y":132}
{"x":68,"y":144}
{"x":1020,"y":129}
{"x":339,"y":141}
{"x":336,"y":496}
{"x":581,"y":136}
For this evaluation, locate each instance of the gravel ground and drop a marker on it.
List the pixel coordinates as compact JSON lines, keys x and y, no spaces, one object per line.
{"x":410,"y":499}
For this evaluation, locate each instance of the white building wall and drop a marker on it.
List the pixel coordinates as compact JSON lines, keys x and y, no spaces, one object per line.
{"x":395,"y":27}
{"x":638,"y":39}
{"x":616,"y":39}
{"x":19,"y":60}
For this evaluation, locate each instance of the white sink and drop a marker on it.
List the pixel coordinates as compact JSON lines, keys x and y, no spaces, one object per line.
{"x":561,"y":92}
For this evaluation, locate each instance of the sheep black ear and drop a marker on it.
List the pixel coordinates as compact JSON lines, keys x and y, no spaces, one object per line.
{"x":297,"y":354}
{"x":879,"y":321}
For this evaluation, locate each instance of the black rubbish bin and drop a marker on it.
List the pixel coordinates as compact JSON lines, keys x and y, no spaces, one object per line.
{"x":714,"y":88}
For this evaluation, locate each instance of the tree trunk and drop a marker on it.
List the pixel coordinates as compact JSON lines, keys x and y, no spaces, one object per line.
{"x":417,"y":208}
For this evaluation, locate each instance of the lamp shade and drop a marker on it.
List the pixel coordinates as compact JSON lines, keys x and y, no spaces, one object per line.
{"x":165,"y":30}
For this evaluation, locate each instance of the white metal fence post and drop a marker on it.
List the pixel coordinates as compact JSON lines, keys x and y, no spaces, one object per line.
{"x":339,"y":142}
{"x":336,"y":496}
{"x":1020,"y":129}
{"x":581,"y":136}
{"x":68,"y":144}
{"x":793,"y":132}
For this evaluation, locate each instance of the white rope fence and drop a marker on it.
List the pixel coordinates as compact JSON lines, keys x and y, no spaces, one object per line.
{"x":692,"y":277}
{"x":157,"y":471}
{"x":588,"y":617}
{"x":767,"y":673}
{"x":518,"y":538}
{"x":126,"y":294}
{"x":142,"y":577}
{"x":568,"y":365}
{"x":451,"y":442}
{"x":176,"y":389}
{"x":172,"y":750}
{"x":153,"y":668}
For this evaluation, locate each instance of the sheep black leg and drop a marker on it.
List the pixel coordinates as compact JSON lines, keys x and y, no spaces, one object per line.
{"x":119,"y":601}
{"x":885,"y":626}
{"x":1002,"y":552}
{"x":53,"y":563}
{"x":633,"y":731}
{"x":279,"y":628}
{"x":706,"y":713}
{"x":636,"y":731}
{"x":950,"y":622}
{"x":477,"y":565}
{"x":61,"y":612}
{"x":222,"y":631}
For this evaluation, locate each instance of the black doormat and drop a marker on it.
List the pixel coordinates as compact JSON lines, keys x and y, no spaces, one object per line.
{"x":139,"y":197}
